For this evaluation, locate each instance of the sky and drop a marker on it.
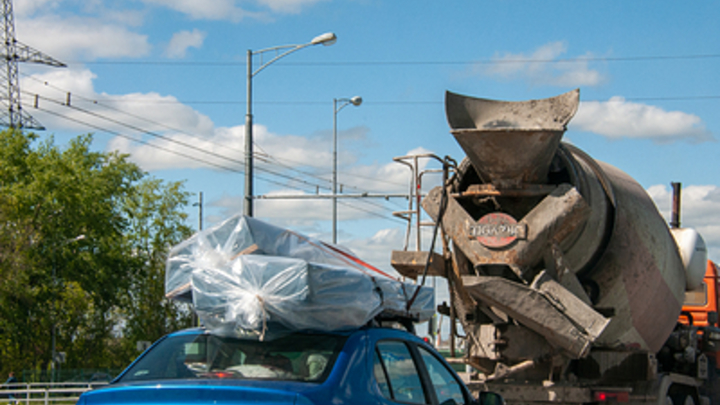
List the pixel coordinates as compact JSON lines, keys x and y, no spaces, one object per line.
{"x":165,"y":81}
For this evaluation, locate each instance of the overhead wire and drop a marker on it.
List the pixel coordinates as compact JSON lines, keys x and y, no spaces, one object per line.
{"x":267,"y":158}
{"x":159,"y":147}
{"x":185,"y":155}
{"x":264,"y":158}
{"x":171,"y":140}
{"x":152,"y":145}
{"x":506,"y":60}
{"x":99,"y":128}
{"x":581,"y":59}
{"x":375,"y":214}
{"x":380,"y":103}
{"x":94,"y":101}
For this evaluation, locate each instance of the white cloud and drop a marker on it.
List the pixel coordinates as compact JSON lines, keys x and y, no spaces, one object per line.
{"x":700,"y":209}
{"x":391,"y":178}
{"x":180,"y":134}
{"x":81,"y":38}
{"x":619,"y":118}
{"x":181,"y":41}
{"x":181,"y":137}
{"x":300,"y":215}
{"x":377,"y":249}
{"x":183,"y":150}
{"x":206,"y":10}
{"x":543,"y":68}
{"x":295,"y":156}
{"x":230,"y":10}
{"x":77,"y":81}
{"x":23,"y":8}
{"x":303,"y":215}
{"x":119,"y":113}
{"x":314,"y":151}
{"x":287,"y":6}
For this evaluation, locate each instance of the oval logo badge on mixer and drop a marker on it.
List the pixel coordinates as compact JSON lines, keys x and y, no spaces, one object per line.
{"x":497,"y":230}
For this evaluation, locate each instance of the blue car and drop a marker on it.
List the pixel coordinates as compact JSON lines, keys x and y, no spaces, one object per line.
{"x":372,"y":365}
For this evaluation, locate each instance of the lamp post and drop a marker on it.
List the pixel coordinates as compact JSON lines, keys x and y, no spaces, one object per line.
{"x":325,"y":39}
{"x":356,"y":101}
{"x":199,"y":204}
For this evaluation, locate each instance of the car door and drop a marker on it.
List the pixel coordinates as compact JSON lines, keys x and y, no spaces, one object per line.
{"x":445,"y":384}
{"x":408,"y":373}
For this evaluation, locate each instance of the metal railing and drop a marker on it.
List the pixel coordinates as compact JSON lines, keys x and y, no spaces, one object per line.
{"x":46,"y":393}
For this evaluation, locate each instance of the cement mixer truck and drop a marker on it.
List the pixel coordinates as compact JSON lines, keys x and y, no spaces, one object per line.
{"x":569,"y":285}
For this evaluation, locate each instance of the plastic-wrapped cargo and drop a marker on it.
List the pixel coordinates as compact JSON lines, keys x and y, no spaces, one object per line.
{"x":244,"y":274}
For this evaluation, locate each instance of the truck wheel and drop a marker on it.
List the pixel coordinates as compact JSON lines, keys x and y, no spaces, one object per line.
{"x":683,"y":399}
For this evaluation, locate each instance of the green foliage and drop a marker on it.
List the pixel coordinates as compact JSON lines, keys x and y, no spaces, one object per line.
{"x":156,"y":224}
{"x":83,"y":239}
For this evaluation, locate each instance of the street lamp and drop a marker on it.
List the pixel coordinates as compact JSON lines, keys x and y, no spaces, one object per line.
{"x":356,"y":101}
{"x":325,"y":39}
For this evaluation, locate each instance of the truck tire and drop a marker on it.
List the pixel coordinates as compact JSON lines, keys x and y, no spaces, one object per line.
{"x":683,"y":399}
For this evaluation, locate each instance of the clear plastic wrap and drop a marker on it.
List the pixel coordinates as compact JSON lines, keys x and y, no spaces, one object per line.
{"x":245,"y":274}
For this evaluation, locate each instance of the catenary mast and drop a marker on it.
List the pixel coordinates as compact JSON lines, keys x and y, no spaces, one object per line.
{"x":11,"y":113}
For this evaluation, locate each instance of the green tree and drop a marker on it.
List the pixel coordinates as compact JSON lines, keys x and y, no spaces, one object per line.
{"x":73,"y":253}
{"x":156,"y":224}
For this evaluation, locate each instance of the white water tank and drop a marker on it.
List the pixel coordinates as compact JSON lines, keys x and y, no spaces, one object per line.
{"x":694,"y":255}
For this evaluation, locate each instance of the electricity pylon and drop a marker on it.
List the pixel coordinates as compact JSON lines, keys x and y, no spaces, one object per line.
{"x":11,"y":113}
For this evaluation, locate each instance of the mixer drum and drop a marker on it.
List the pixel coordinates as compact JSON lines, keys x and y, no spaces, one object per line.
{"x":638,"y":271}
{"x":618,"y":246}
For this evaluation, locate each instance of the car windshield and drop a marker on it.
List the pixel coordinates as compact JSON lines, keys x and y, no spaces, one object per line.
{"x":297,"y":357}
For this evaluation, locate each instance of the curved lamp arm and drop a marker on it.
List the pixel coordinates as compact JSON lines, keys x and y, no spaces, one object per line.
{"x":326,"y":39}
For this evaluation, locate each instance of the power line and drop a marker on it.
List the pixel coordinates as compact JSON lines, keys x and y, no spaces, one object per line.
{"x":168,"y":150}
{"x":194,"y":158}
{"x":266,"y":159}
{"x":672,"y":98}
{"x":391,"y":218}
{"x":96,"y":102}
{"x":580,"y":59}
{"x":101,"y":101}
{"x":159,"y":147}
{"x":171,"y":140}
{"x":187,"y":156}
{"x":377,"y":102}
{"x":116,"y":133}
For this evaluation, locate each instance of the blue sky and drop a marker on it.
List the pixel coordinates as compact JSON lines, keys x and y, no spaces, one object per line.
{"x":647,"y":73}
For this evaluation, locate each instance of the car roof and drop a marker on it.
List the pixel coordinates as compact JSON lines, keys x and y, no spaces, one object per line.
{"x":381,"y":329}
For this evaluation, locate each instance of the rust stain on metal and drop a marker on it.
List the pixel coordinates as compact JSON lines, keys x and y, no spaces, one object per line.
{"x":489,"y":190}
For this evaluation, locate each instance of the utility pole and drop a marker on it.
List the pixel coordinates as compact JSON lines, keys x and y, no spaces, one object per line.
{"x":199,"y":204}
{"x":12,"y":115}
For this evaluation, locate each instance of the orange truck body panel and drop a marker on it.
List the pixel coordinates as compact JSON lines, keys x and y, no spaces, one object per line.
{"x":700,"y":302}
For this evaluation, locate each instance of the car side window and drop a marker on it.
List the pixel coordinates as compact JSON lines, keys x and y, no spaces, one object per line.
{"x":380,"y":376}
{"x":446,"y":386}
{"x":396,"y":373}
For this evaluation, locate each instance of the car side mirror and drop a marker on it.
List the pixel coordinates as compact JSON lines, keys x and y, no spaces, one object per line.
{"x":712,"y":318}
{"x":491,"y":398}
